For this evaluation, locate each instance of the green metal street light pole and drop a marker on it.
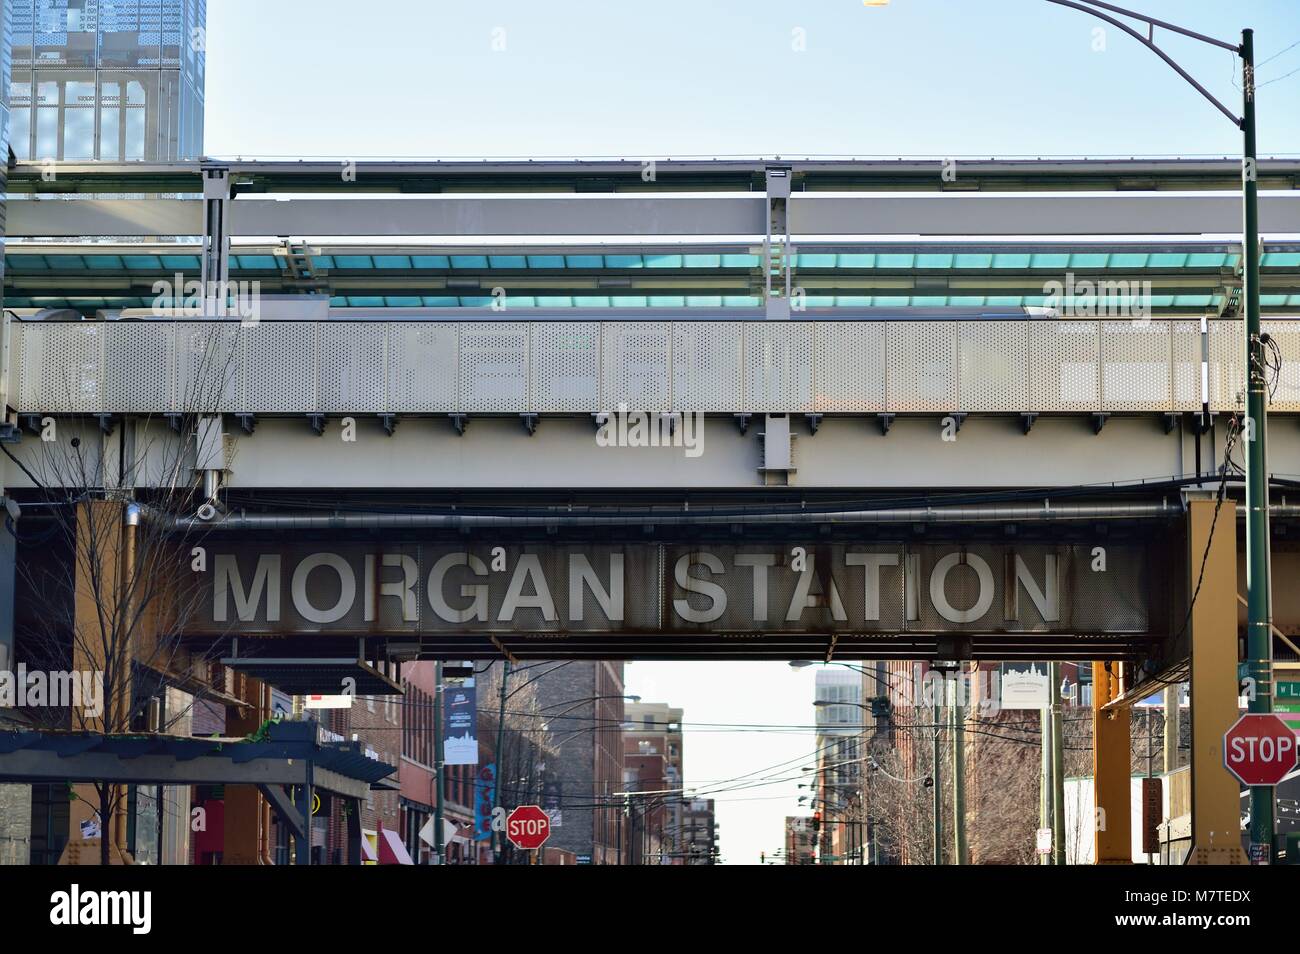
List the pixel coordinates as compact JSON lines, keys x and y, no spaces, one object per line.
{"x":438,"y":838}
{"x":497,"y":838}
{"x":1259,"y":603}
{"x":937,"y":791}
{"x":958,"y":724}
{"x":1058,"y":767}
{"x":1259,"y":599}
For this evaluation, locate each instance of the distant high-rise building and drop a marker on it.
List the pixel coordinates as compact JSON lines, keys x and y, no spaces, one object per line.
{"x":799,"y":848}
{"x":583,"y":704}
{"x":652,"y":736}
{"x":700,"y":831}
{"x":107,"y":79}
{"x":839,"y":763}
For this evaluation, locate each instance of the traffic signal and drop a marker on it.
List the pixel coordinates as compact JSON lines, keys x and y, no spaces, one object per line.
{"x":817,"y":821}
{"x":762,"y":857}
{"x":881,"y":707}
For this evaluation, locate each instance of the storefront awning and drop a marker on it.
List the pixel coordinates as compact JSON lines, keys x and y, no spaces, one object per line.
{"x":391,"y":849}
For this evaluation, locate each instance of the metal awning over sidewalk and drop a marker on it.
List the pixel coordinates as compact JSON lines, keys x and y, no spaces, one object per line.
{"x":290,"y":755}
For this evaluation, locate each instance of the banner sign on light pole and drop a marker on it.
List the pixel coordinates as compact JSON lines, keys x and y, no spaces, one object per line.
{"x":460,"y":724}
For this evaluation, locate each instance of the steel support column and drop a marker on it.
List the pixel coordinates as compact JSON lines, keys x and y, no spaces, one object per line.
{"x":1216,"y":808}
{"x":306,"y":793}
{"x":1110,"y":768}
{"x":777,"y":254}
{"x":215,"y":271}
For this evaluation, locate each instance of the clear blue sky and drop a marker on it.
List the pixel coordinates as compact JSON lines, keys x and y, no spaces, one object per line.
{"x":713,"y":77}
{"x":389,"y":78}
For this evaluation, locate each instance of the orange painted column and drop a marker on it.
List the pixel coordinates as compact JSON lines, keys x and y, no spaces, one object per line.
{"x":1111,"y":769}
{"x":1216,"y":805}
{"x":100,"y":644}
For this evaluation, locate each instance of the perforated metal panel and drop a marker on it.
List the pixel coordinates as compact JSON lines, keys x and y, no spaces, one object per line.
{"x":139,"y":367}
{"x":634,"y":365}
{"x":1135,"y":366}
{"x":209,"y":358}
{"x":580,"y":367}
{"x":850,"y":366}
{"x":351,"y":359}
{"x":1226,"y":365}
{"x":707,"y":366}
{"x":1063,"y":366}
{"x":993,"y":365}
{"x":1185,"y":347}
{"x":423,"y":362}
{"x":1287,"y":336}
{"x":280,"y":367}
{"x":14,"y":380}
{"x":565,"y":362}
{"x":778,"y":366}
{"x":922,"y":370}
{"x":494,"y":366}
{"x":62,"y":368}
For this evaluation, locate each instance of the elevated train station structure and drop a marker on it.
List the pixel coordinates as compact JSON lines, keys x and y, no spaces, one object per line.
{"x":979,"y":410}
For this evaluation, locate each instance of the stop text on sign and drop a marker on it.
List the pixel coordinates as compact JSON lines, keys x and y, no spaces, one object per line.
{"x":1267,"y":749}
{"x":527,"y":827}
{"x":647,"y":587}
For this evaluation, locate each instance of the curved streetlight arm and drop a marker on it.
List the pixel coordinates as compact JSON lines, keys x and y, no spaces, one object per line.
{"x":1163,"y":24}
{"x":1089,"y":7}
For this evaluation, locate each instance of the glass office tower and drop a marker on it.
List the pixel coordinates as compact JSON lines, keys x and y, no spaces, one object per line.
{"x":117,"y":80}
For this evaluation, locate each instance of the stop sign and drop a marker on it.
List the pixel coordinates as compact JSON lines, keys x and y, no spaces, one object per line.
{"x":528,"y":827}
{"x":1260,"y":749}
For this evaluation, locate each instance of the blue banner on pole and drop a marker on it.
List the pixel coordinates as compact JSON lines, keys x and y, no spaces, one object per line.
{"x":460,"y":742}
{"x":485,"y":784}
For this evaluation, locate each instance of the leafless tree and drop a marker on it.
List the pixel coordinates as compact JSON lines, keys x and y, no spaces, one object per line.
{"x":111,"y":565}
